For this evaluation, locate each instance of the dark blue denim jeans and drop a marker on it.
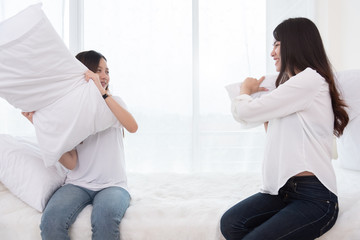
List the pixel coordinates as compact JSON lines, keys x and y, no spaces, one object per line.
{"x":303,"y":209}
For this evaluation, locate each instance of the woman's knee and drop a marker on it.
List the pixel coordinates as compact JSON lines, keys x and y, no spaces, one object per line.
{"x":52,"y":227}
{"x":227,"y":223}
{"x":224,"y":226}
{"x":106,"y":224}
{"x":111,"y":203}
{"x":233,"y":225}
{"x":107,"y":215}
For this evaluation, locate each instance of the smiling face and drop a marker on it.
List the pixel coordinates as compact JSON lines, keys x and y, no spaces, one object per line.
{"x":103,"y":72}
{"x":275,"y":54}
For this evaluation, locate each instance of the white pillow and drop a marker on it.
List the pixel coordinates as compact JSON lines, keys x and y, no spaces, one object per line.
{"x":23,"y":172}
{"x":349,"y":142}
{"x":349,"y":82}
{"x":36,"y":66}
{"x":38,"y":73}
{"x":349,"y":146}
{"x":233,"y":91}
{"x":269,"y":83}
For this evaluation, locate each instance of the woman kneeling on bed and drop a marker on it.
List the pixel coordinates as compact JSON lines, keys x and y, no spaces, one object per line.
{"x":97,"y":170}
{"x":298,"y":198}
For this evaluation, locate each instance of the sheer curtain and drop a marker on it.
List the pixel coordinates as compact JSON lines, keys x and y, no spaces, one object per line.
{"x":184,"y":119}
{"x":169,"y":61}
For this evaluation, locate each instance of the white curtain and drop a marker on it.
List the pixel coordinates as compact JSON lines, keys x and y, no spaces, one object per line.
{"x":184,"y":123}
{"x":153,"y":48}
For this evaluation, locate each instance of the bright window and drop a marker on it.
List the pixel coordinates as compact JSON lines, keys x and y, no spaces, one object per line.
{"x":169,"y":61}
{"x":183,"y":126}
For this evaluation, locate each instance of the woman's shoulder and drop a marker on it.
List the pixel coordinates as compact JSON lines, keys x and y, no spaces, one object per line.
{"x":308,"y":78}
{"x":310,"y":73}
{"x":307,"y":82}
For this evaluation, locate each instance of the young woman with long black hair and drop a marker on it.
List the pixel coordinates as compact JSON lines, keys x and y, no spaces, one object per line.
{"x":298,"y":199}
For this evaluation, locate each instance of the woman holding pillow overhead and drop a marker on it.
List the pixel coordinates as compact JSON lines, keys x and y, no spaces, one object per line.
{"x":298,"y":198}
{"x":96,"y":169}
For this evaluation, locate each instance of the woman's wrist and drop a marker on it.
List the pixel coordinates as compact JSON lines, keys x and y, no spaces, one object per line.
{"x":105,"y":96}
{"x":244,"y":90}
{"x":103,"y":91}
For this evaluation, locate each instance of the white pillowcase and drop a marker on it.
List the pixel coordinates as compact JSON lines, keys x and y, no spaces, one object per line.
{"x":233,"y":91}
{"x":36,"y":67}
{"x":234,"y":88}
{"x":349,"y":142}
{"x":38,"y":73}
{"x":349,"y":84}
{"x":23,"y":172}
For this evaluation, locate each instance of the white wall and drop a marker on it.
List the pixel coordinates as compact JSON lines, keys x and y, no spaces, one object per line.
{"x":279,"y":10}
{"x":338,"y":22}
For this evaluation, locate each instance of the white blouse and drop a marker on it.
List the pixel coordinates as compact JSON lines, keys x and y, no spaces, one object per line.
{"x":300,"y":130}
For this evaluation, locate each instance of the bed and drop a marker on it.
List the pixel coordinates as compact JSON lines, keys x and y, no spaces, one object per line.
{"x":179,"y":206}
{"x":164,"y":206}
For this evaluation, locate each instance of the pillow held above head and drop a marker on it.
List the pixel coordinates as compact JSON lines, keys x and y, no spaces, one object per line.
{"x":38,"y":73}
{"x":36,"y":67}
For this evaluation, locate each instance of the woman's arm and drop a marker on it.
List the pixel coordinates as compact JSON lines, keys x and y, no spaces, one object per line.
{"x":266,"y":124}
{"x":69,"y":159}
{"x":28,"y":115}
{"x":294,"y":95}
{"x":122,"y":115}
{"x":252,"y":85}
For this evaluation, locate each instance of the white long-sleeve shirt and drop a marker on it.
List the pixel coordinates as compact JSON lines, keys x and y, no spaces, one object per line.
{"x":300,"y":130}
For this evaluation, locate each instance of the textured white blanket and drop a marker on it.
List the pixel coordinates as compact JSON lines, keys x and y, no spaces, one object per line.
{"x":179,"y":207}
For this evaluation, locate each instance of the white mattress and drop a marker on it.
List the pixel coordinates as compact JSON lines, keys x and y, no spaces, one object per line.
{"x":178,"y":206}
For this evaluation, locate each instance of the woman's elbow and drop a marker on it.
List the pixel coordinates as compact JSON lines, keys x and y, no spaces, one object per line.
{"x":238,"y":114}
{"x":69,"y":159}
{"x":133,"y":128}
{"x":71,"y":166}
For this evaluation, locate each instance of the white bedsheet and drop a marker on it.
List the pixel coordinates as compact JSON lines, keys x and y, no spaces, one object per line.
{"x":179,"y":207}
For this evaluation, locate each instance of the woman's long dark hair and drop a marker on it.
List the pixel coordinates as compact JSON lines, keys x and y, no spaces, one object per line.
{"x":91,"y":60}
{"x":301,"y":47}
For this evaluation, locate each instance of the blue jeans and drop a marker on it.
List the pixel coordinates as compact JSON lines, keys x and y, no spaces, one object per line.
{"x":303,"y":209}
{"x":109,"y":206}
